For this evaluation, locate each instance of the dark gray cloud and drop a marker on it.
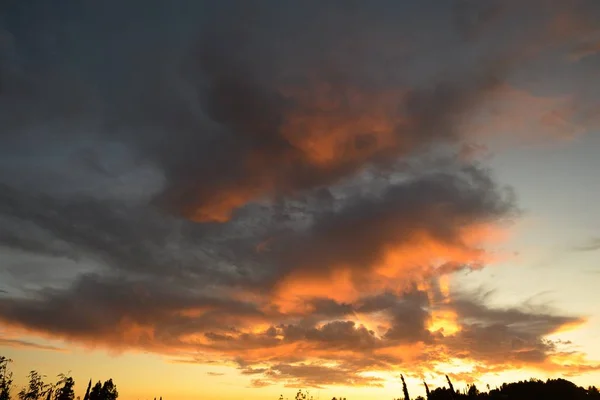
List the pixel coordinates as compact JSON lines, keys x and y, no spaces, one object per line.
{"x":123,"y":236}
{"x":358,"y":234}
{"x":409,"y":319}
{"x":138,"y":238}
{"x":473,"y":17}
{"x":105,"y":228}
{"x":256,"y":131}
{"x":509,"y":335}
{"x":225,"y":114}
{"x":106,"y":309}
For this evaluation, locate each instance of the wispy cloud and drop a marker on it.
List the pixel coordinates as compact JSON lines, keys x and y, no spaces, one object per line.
{"x":13,"y":342}
{"x":592,"y":245}
{"x":585,"y":50}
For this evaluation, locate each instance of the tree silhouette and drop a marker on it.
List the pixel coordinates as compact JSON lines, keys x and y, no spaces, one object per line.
{"x":450,"y":385}
{"x":49,"y":392}
{"x":533,"y":389}
{"x":87,"y":392}
{"x":5,"y":378}
{"x":65,"y":389}
{"x":96,"y":392}
{"x":426,"y":389}
{"x":36,"y":388}
{"x":473,"y":391}
{"x":303,"y":395}
{"x":106,"y":391}
{"x":109,"y":391}
{"x":404,"y":388}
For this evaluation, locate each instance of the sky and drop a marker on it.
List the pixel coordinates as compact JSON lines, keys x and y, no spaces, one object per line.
{"x":245,"y":198}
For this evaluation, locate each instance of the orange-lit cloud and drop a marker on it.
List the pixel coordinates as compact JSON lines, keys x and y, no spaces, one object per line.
{"x":362,"y":287}
{"x":342,"y":341}
{"x":524,"y":117}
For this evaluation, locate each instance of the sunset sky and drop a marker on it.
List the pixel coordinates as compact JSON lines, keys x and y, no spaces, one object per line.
{"x":221,"y":199}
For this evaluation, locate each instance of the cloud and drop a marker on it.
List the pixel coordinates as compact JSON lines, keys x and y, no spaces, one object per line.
{"x":10,"y":342}
{"x":509,"y":335}
{"x":585,"y":50}
{"x":592,"y":245}
{"x":528,"y":118}
{"x":472,"y":18}
{"x":382,"y":332}
{"x":311,"y":137}
{"x":259,"y":383}
{"x":315,"y":376}
{"x":434,"y":205}
{"x":120,"y":313}
{"x":280,"y":187}
{"x":287,"y":120}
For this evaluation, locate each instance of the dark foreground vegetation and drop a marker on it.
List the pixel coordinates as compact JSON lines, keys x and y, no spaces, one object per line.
{"x":533,"y":389}
{"x":63,"y":389}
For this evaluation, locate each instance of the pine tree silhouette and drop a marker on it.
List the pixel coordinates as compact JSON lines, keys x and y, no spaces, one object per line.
{"x":87,"y":392}
{"x":452,"y":391}
{"x":404,"y":388}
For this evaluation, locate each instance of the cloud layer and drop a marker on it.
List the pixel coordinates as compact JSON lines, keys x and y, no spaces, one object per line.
{"x":282,"y":186}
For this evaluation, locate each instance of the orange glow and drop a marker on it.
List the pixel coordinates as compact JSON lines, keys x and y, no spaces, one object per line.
{"x":445,"y":321}
{"x":293,"y":291}
{"x":344,"y":127}
{"x":444,"y":285}
{"x":223,"y":203}
{"x":132,"y":332}
{"x":517,"y":114}
{"x":408,"y":353}
{"x":401,"y":266}
{"x":423,"y":255}
{"x":331,"y":127}
{"x":330,"y":122}
{"x":566,"y":327}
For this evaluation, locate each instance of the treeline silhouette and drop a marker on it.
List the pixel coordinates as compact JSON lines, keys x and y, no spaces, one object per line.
{"x":533,"y":389}
{"x":63,"y":389}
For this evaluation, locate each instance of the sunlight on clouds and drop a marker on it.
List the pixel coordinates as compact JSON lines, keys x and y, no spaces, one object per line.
{"x":293,"y":290}
{"x":330,"y":123}
{"x":321,"y":187}
{"x":444,"y":321}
